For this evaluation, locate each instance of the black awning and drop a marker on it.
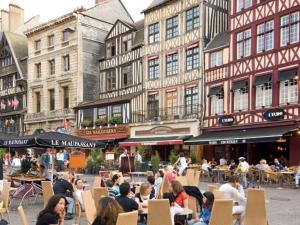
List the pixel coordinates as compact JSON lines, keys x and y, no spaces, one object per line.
{"x":215,"y":91}
{"x":288,"y":74}
{"x":239,"y":84}
{"x":262,"y":79}
{"x":254,"y":135}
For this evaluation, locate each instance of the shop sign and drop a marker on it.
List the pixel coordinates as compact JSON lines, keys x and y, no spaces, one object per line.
{"x":274,"y":114}
{"x":104,"y":131}
{"x":226,"y":120}
{"x":228,"y":142}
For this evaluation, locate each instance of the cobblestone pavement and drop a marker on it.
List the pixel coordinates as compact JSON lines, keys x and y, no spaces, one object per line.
{"x":282,"y":207}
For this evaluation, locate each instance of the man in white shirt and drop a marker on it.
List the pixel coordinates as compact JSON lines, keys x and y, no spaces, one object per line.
{"x":60,"y":160}
{"x":124,"y":154}
{"x":233,"y":190}
{"x":138,"y":158}
{"x":15,"y":164}
{"x":243,"y":169}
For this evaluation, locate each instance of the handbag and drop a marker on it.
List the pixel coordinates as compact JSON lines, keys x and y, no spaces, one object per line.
{"x":3,"y":222}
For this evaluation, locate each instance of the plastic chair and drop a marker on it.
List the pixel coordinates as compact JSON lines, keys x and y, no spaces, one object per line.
{"x":256,"y":213}
{"x":97,"y":182}
{"x":221,"y":213}
{"x":47,"y":189}
{"x":98,"y":193}
{"x":190,"y":177}
{"x":218,"y":194}
{"x":22,"y":216}
{"x":211,"y":187}
{"x":129,"y":218}
{"x":89,"y":206}
{"x":5,"y":199}
{"x":193,"y":205}
{"x":159,"y":212}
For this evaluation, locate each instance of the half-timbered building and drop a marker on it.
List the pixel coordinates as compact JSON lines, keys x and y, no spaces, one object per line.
{"x":252,"y":97}
{"x":121,"y":85}
{"x":175,"y":34}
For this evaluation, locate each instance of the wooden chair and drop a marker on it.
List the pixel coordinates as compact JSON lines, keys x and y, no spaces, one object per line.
{"x":211,"y":187}
{"x":164,"y":187}
{"x":79,"y":212}
{"x":197,"y":179}
{"x":183,"y":180}
{"x":97,"y":182}
{"x":193,"y":205}
{"x":98,"y":193}
{"x":221,"y":213}
{"x":218,"y":194}
{"x":47,"y":189}
{"x":190,"y":177}
{"x":159,"y":212}
{"x":129,"y":218}
{"x":149,"y":173}
{"x":256,"y":208}
{"x":5,"y":200}
{"x":22,"y":215}
{"x":89,"y":206}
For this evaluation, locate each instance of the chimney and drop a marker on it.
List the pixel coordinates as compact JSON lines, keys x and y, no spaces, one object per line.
{"x":16,"y":17}
{"x":4,"y":20}
{"x":100,"y":1}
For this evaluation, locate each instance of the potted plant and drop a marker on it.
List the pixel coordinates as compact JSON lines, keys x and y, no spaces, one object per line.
{"x":155,"y":160}
{"x":86,"y":123}
{"x":193,"y":157}
{"x":173,"y":158}
{"x":101,"y":122}
{"x":94,"y":161}
{"x":116,"y":120}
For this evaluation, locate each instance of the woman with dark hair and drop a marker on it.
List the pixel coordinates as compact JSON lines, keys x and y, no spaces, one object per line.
{"x":108,"y":211}
{"x":55,"y":211}
{"x":204,"y":216}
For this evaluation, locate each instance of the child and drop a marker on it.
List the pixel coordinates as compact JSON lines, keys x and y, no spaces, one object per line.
{"x":204,"y":216}
{"x":170,"y":173}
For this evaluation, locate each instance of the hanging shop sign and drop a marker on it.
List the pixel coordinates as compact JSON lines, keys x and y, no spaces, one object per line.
{"x":274,"y":114}
{"x":226,"y":120}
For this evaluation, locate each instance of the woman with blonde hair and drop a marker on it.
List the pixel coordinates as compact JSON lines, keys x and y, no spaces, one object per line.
{"x":108,"y":212}
{"x":144,"y":196}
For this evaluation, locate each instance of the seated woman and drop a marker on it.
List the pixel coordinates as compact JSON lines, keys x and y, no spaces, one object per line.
{"x":54,"y":212}
{"x":144,"y":196}
{"x":204,"y":216}
{"x":108,"y":211}
{"x":33,"y":171}
{"x":181,"y":197}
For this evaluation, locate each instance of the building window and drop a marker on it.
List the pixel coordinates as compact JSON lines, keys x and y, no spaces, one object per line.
{"x":244,"y":44}
{"x":111,"y":49}
{"x":126,"y":43}
{"x":153,"y":33}
{"x":216,"y":96}
{"x":172,"y":27}
{"x":111,"y":80}
{"x":52,"y":66}
{"x":216,"y":59}
{"x":6,"y":61}
{"x":65,"y":35}
{"x":38,"y":70}
{"x":153,"y":104}
{"x":66,"y":97}
{"x":240,"y":96}
{"x":116,"y":111}
{"x":7,"y":82}
{"x":192,"y":18}
{"x":126,"y":76}
{"x":289,"y":29}
{"x":38,"y":101}
{"x":263,"y":95}
{"x":172,"y":64}
{"x":192,"y":58}
{"x":289,"y":91}
{"x":37,"y":45}
{"x":51,"y":99}
{"x":171,"y":98}
{"x":153,"y":68}
{"x":51,"y":41}
{"x":243,"y":4}
{"x":191,"y":100}
{"x":66,"y":60}
{"x":265,"y":36}
{"x":102,"y":113}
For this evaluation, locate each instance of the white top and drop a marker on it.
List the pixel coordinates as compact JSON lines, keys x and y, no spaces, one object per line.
{"x":236,"y":194}
{"x":138,"y":158}
{"x":223,"y":162}
{"x":60,"y":156}
{"x":183,"y":162}
{"x":78,"y":197}
{"x":16,"y":162}
{"x":205,"y":166}
{"x":175,"y":209}
{"x":244,"y":166}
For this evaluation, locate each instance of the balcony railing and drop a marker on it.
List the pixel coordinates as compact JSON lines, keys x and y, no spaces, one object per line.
{"x":167,"y":114}
{"x":52,"y":115}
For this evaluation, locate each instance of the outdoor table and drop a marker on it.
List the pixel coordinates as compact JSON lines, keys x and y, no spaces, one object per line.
{"x":138,"y":174}
{"x":28,"y":189}
{"x":287,"y":176}
{"x":219,"y":171}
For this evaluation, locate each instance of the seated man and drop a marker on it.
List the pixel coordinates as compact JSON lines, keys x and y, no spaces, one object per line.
{"x":297,"y":177}
{"x":127,"y":203}
{"x":112,"y":192}
{"x":64,"y":187}
{"x":233,"y":190}
{"x":33,"y":171}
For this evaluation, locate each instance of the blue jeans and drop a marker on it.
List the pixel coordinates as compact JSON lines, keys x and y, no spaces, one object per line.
{"x":297,"y":178}
{"x":70,"y":205}
{"x":192,"y":222}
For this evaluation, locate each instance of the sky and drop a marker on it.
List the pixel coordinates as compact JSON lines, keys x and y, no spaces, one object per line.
{"x":50,"y":9}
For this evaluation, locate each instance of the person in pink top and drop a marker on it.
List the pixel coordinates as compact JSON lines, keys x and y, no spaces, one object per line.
{"x":170,"y":173}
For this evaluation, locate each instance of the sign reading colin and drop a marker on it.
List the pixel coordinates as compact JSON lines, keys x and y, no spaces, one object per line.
{"x":274,"y":114}
{"x":226,"y":120}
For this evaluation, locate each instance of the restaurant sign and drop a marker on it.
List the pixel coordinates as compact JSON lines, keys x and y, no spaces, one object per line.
{"x":228,"y":142}
{"x":226,"y":120}
{"x":274,"y":114}
{"x":105,"y":131}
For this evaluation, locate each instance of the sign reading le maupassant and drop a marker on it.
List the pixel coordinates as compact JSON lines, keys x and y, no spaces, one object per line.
{"x":104,"y":131}
{"x":274,"y":114}
{"x":226,"y":120}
